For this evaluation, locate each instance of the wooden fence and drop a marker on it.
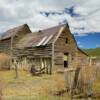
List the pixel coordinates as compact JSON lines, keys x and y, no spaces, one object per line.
{"x":81,"y":79}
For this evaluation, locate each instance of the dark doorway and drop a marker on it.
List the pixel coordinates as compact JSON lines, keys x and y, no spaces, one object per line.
{"x":65,"y":60}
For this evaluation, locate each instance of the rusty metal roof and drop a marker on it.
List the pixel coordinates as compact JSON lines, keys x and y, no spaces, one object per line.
{"x":13,"y":32}
{"x":40,"y":38}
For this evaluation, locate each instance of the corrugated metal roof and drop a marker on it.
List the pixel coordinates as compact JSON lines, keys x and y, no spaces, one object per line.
{"x":47,"y":40}
{"x":40,"y":38}
{"x":44,"y":37}
{"x":42,"y":41}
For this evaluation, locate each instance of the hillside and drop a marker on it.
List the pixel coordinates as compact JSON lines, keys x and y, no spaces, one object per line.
{"x":93,"y":52}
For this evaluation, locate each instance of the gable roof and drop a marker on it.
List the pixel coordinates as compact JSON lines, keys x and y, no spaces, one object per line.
{"x":8,"y":34}
{"x":40,"y":38}
{"x":43,"y":37}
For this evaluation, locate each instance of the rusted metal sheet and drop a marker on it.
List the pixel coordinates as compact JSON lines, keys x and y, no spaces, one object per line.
{"x":40,"y":38}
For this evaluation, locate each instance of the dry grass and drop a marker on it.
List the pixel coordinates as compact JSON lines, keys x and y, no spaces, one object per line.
{"x":4,"y":61}
{"x":27,"y":87}
{"x":1,"y":94}
{"x":89,"y":82}
{"x":31,"y":88}
{"x":42,"y":87}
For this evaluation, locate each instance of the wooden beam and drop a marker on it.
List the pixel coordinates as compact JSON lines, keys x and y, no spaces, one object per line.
{"x":60,"y":31}
{"x":11,"y":51}
{"x":52,"y":59}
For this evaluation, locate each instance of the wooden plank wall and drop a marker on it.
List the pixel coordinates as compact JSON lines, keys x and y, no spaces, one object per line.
{"x":34,"y":52}
{"x":5,"y":46}
{"x":62,"y":47}
{"x":40,"y":57}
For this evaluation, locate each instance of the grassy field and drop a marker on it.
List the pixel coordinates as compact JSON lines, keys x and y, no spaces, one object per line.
{"x":93,"y":52}
{"x":27,"y":87}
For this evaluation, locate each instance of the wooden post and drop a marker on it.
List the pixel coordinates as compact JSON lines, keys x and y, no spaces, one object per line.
{"x":16,"y":68}
{"x":69,"y":78}
{"x":11,"y":51}
{"x":45,"y":62}
{"x":16,"y":71}
{"x":90,"y":61}
{"x":69,"y":60}
{"x":52,"y":59}
{"x":42,"y":64}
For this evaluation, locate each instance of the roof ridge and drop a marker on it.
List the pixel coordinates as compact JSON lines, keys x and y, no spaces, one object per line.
{"x":52,"y":27}
{"x":16,"y":27}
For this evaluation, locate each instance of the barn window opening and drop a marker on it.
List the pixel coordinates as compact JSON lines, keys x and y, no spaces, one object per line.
{"x":66,"y":40}
{"x":65,"y":60}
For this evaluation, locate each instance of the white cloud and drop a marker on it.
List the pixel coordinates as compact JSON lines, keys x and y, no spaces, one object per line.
{"x":81,"y":46}
{"x":17,"y":12}
{"x":97,"y":45}
{"x":78,"y":43}
{"x":90,"y":16}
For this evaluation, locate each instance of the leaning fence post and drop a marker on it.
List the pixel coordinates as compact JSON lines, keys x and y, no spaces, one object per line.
{"x":16,"y":68}
{"x":69,"y":78}
{"x":97,"y":72}
{"x":77,"y":71}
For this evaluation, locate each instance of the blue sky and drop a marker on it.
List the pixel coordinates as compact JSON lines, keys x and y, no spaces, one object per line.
{"x":83,"y":17}
{"x":89,"y":41}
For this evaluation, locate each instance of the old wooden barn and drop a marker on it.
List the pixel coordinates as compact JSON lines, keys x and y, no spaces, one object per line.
{"x":54,"y":48}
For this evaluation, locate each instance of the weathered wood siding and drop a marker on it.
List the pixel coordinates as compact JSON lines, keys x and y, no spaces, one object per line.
{"x":40,"y":57}
{"x":61,"y":47}
{"x":5,"y":45}
{"x":34,"y":52}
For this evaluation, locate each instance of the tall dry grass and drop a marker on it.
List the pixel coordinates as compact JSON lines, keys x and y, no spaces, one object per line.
{"x":88,"y":75}
{"x":2,"y":86}
{"x":4,"y":61}
{"x":87,"y":78}
{"x":1,"y":92}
